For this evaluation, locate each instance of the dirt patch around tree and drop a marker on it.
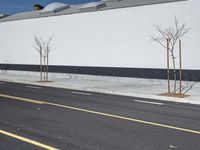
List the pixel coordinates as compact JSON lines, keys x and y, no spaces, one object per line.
{"x":178,"y":95}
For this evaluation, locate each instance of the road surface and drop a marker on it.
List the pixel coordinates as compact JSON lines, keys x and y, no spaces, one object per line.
{"x":35,"y":117}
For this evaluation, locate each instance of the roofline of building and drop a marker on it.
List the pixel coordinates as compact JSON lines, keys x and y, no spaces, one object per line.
{"x":74,"y":9}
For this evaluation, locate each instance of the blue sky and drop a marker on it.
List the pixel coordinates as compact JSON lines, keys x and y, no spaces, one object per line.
{"x":14,"y":6}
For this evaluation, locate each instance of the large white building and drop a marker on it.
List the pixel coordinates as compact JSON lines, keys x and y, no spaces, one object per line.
{"x":102,"y":38}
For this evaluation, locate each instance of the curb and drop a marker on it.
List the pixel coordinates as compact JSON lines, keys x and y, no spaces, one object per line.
{"x":145,"y":96}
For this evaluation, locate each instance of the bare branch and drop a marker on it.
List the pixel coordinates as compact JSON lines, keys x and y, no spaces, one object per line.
{"x":190,"y":87}
{"x":158,"y":41}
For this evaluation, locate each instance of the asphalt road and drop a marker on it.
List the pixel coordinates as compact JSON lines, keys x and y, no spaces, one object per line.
{"x":34,"y":117}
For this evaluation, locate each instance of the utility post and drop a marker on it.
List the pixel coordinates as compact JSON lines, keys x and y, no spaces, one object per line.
{"x":168,"y":71}
{"x":180,"y":70}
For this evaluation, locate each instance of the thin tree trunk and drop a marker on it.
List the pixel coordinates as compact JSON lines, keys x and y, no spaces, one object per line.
{"x":47,"y":65}
{"x":168,"y":71}
{"x":180,"y":71}
{"x":44,"y":68}
{"x":40,"y":67}
{"x":174,"y":71}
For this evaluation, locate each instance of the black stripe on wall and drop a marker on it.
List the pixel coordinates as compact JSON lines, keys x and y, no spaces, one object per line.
{"x":189,"y":75}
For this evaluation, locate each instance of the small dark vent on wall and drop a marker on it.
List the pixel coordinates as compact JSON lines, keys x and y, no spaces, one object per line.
{"x":37,"y":7}
{"x":92,"y":6}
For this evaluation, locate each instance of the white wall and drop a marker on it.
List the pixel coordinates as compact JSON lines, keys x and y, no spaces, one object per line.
{"x":111,"y":38}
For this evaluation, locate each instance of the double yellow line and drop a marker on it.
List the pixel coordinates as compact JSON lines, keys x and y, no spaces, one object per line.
{"x":92,"y":112}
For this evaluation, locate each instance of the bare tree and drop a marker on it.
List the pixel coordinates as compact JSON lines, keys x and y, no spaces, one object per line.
{"x":171,"y":35}
{"x":48,"y":49}
{"x":38,"y":45}
{"x":44,"y":48}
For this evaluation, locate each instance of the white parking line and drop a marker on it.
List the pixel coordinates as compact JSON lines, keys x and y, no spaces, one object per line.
{"x":34,"y":87}
{"x":148,"y":102}
{"x":81,"y":93}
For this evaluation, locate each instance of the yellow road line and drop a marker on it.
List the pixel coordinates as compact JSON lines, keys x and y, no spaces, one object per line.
{"x":127,"y":118}
{"x":104,"y":114}
{"x":27,"y":140}
{"x":22,"y":99}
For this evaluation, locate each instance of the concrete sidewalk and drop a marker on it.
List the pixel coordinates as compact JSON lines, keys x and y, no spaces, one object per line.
{"x":136,"y":87}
